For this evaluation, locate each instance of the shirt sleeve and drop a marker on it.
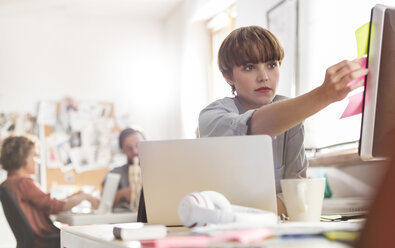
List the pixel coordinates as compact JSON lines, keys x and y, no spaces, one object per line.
{"x":35,"y":196}
{"x":220,"y":120}
{"x":295,"y":157}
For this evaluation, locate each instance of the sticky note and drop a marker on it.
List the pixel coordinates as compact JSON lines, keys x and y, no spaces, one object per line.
{"x":362,"y":36}
{"x":362,"y":61}
{"x":342,"y":235}
{"x":178,"y":241}
{"x":244,"y":235}
{"x":354,"y":106}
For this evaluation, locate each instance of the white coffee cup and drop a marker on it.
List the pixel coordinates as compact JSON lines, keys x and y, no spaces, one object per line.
{"x":303,"y":198}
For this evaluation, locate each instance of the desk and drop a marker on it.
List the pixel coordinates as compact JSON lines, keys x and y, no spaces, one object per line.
{"x":101,"y":236}
{"x":95,"y":218}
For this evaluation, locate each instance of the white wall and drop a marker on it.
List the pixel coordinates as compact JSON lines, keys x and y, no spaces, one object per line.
{"x":48,"y":57}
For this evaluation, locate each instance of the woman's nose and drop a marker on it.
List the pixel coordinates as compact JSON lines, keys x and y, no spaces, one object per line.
{"x":263,"y":75}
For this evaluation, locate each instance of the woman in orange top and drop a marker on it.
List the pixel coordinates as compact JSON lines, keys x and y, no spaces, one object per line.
{"x":19,"y":158}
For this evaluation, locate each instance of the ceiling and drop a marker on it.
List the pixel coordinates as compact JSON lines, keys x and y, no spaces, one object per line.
{"x":153,"y":9}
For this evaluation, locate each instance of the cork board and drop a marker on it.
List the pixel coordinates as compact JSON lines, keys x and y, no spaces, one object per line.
{"x":92,"y":177}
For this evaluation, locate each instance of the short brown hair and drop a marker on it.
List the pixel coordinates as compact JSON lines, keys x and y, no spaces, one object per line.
{"x":252,"y":44}
{"x":126,"y":132}
{"x":14,"y":152}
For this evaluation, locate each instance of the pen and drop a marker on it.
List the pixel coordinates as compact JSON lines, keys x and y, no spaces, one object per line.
{"x":299,"y":236}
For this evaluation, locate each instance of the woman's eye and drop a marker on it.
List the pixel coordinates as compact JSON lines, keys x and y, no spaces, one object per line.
{"x":248,"y":67}
{"x":272,"y":65}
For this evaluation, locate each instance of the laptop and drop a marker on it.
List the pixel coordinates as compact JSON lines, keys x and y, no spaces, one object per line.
{"x":239,"y":167}
{"x":104,"y":212}
{"x":109,"y":190}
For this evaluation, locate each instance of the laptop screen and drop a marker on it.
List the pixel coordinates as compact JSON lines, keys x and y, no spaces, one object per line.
{"x":109,"y":191}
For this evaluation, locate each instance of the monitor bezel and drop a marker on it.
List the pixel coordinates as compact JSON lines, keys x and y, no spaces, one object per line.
{"x":371,"y":83}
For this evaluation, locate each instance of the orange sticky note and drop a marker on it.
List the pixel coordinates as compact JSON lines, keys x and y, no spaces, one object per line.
{"x":354,"y":106}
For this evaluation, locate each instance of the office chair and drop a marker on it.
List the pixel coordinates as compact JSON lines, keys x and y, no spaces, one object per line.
{"x":23,"y":232}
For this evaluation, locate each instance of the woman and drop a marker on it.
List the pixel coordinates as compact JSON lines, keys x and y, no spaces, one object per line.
{"x":19,"y":158}
{"x":249,"y":59}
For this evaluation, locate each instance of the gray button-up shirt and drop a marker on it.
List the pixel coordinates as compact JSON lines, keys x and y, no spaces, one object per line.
{"x":226,"y":117}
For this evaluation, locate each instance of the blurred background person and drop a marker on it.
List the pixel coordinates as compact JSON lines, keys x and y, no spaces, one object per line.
{"x":128,"y":143}
{"x":19,"y":157}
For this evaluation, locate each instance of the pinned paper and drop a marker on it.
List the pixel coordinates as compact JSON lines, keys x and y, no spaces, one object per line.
{"x":362,"y":35}
{"x":354,"y":106}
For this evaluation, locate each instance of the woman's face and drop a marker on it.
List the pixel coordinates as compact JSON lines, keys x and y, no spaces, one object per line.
{"x":255,"y":84}
{"x":32,"y":161}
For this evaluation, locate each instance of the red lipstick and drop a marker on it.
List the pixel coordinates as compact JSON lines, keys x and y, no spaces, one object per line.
{"x":263,"y":89}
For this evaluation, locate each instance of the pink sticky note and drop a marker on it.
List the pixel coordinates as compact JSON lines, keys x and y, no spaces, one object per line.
{"x":362,"y":62}
{"x":178,"y":241}
{"x":354,"y":106}
{"x":244,"y":235}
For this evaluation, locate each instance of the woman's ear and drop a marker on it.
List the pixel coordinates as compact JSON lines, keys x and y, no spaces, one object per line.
{"x":229,"y":79}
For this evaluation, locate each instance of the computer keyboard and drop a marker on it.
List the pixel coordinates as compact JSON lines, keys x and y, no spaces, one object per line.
{"x":346,"y":206}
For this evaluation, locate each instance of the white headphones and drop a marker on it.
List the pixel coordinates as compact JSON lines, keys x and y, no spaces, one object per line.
{"x":211,"y":207}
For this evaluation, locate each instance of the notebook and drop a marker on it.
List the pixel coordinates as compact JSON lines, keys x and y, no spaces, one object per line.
{"x":239,"y":167}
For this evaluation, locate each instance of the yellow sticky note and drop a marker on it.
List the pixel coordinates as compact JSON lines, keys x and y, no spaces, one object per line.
{"x":341,"y":235}
{"x":362,"y":35}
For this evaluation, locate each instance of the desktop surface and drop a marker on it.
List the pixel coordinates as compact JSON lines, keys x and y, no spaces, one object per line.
{"x":101,"y":236}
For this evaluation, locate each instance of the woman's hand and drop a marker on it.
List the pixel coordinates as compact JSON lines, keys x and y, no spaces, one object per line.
{"x":276,"y":118}
{"x":93,"y":200}
{"x":78,"y":197}
{"x":337,"y":78}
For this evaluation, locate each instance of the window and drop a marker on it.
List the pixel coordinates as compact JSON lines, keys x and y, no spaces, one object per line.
{"x":219,"y":26}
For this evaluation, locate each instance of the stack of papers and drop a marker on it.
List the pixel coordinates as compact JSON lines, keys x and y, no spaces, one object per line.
{"x":139,"y":231}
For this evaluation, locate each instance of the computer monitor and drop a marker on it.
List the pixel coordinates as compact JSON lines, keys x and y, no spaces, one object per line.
{"x":378,"y":115}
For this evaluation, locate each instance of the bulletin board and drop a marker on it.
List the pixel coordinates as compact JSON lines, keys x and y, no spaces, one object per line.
{"x":80,"y":142}
{"x":93,"y":178}
{"x":15,"y":123}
